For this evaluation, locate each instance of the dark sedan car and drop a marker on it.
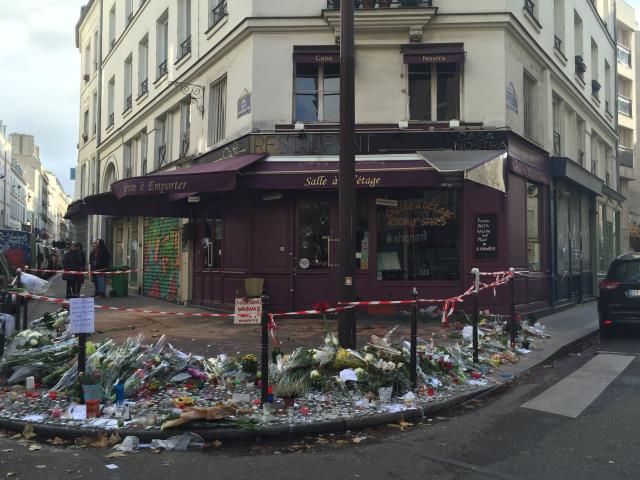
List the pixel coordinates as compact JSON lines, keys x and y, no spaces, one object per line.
{"x":619,"y":300}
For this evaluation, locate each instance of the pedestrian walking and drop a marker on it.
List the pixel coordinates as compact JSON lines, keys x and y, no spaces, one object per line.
{"x":100,"y":260}
{"x":72,"y":261}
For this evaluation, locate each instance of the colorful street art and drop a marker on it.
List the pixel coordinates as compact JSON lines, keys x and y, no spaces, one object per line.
{"x":162,"y":258}
{"x":16,"y":246}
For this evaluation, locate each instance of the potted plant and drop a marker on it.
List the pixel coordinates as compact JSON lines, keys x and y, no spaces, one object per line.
{"x":289,"y":389}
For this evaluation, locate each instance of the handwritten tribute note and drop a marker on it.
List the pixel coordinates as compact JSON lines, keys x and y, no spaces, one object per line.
{"x":82,"y":315}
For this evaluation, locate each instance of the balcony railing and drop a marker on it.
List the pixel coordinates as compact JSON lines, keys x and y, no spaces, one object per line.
{"x":110,"y":120}
{"x":144,"y":87}
{"x":557,"y":43}
{"x":625,"y":105}
{"x":218,"y":13}
{"x":530,"y":7}
{"x":162,"y":155}
{"x":557,"y":144}
{"x":594,"y":167}
{"x":162,"y":68}
{"x":624,"y":56}
{"x":185,"y":46}
{"x":128,"y":103}
{"x":626,"y":156}
{"x":369,"y":4}
{"x":580,"y":158}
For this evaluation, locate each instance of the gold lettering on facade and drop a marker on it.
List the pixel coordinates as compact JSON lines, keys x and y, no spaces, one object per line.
{"x":323,"y":181}
{"x":434,"y":58}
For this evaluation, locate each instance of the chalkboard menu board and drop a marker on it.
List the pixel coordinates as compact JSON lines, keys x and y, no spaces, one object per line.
{"x":486,"y":245}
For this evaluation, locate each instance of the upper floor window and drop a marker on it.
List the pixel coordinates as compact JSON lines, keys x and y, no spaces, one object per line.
{"x":162,"y":44}
{"x":595,"y":74}
{"x":185,"y":126}
{"x":94,"y":116}
{"x":95,"y":51}
{"x":607,"y":87}
{"x":162,"y":141}
{"x":558,"y":24}
{"x":578,"y":40}
{"x":434,"y":91}
{"x":128,"y":12}
{"x":112,"y":26}
{"x":127,"y":155}
{"x":143,"y":66}
{"x":581,"y":133}
{"x":143,"y":152}
{"x":557,"y":126}
{"x":128,"y":79}
{"x":217,"y":11}
{"x":85,"y":125}
{"x":624,"y":56}
{"x":111,"y":101}
{"x":217,"y":111}
{"x":87,"y":62}
{"x":184,"y":27}
{"x":531,"y":8}
{"x":528,"y":98}
{"x":317,"y":92}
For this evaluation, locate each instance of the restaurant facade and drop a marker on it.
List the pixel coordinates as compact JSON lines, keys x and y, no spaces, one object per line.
{"x":430,"y":207}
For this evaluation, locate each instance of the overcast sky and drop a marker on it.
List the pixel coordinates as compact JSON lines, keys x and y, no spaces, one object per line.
{"x":40,"y":77}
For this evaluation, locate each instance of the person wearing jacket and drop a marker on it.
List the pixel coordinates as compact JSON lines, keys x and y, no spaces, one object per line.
{"x":73,"y":261}
{"x":100,"y":261}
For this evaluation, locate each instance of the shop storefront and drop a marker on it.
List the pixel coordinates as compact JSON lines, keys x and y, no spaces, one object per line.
{"x":430,"y":207}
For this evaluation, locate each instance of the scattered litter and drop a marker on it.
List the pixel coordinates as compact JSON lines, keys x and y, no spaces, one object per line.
{"x":111,"y":466}
{"x":180,"y":443}
{"x":130,"y":444}
{"x":40,"y":467}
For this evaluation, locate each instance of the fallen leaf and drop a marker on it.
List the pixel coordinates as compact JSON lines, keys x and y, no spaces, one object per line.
{"x":28,"y":432}
{"x":217,"y":444}
{"x":115,"y":455}
{"x":157,"y":450}
{"x":357,"y":440}
{"x":57,"y":441}
{"x":34,"y":447}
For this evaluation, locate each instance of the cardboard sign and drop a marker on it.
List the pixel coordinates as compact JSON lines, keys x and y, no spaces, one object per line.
{"x":82,"y":315}
{"x":248,"y":311}
{"x":486,"y":230}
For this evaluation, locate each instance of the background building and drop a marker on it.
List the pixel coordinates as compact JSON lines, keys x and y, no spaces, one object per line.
{"x":171,"y":84}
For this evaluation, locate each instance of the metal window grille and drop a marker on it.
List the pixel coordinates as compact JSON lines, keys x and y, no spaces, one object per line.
{"x":144,"y":86}
{"x":530,"y":7}
{"x":128,"y":103}
{"x":557,"y":144}
{"x":184,"y":143}
{"x":185,"y":46}
{"x":557,"y":42}
{"x":162,"y":155}
{"x":218,"y":13}
{"x":217,"y":109}
{"x":162,"y":68}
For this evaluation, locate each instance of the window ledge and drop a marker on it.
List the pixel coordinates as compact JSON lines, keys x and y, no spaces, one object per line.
{"x":143,"y":97}
{"x":561,"y":56}
{"x":109,"y":127}
{"x":127,"y":112}
{"x":214,"y":28}
{"x":183,"y":59}
{"x":580,"y":81}
{"x":161,"y":79}
{"x":623,"y":114}
{"x":532,"y":20}
{"x":596,"y":99}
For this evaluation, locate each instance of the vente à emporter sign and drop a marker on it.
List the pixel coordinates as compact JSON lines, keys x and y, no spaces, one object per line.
{"x":153,"y":186}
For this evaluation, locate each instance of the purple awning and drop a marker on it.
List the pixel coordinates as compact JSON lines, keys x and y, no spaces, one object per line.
{"x":108,"y":204}
{"x":217,"y":176}
{"x":528,"y":171}
{"x":434,"y":53}
{"x":313,"y":173}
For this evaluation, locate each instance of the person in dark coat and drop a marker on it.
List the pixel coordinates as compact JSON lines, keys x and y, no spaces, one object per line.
{"x":72,"y":261}
{"x":100,"y":260}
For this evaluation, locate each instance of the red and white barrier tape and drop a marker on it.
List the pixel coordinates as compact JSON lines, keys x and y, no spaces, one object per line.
{"x":78,"y":272}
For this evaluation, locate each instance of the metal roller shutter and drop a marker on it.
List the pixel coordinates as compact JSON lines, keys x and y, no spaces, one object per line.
{"x":575,"y":219}
{"x":563,"y":244}
{"x":585,"y":212}
{"x":161,"y":258}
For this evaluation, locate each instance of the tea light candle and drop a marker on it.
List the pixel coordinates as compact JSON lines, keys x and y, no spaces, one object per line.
{"x":30,"y":383}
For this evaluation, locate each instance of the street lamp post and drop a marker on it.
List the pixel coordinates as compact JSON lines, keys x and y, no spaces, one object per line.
{"x":346,"y":184}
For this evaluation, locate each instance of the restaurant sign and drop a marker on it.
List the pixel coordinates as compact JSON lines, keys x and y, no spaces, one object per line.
{"x":332,"y":181}
{"x":486,"y":230}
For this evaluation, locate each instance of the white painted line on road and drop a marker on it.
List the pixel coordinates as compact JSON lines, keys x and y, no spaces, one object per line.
{"x":609,"y":352}
{"x":573,"y":394}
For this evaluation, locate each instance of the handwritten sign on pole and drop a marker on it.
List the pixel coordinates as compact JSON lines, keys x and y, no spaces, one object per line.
{"x":82,"y":315}
{"x":248,"y":311}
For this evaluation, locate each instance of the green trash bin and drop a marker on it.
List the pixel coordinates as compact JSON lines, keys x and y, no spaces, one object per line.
{"x":120,"y":281}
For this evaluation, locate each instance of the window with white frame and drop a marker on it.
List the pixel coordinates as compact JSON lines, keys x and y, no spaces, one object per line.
{"x":143,"y":152}
{"x":162,"y":141}
{"x":557,"y":126}
{"x":162,"y":44}
{"x":111,"y":95}
{"x":128,"y":12}
{"x":528,"y":97}
{"x":217,"y":111}
{"x":87,"y":62}
{"x":595,"y":74}
{"x":112,"y":26}
{"x":127,"y":159}
{"x":94,"y":113}
{"x":143,"y":66}
{"x":217,"y":11}
{"x":607,"y":87}
{"x":594,"y":154}
{"x":558,"y":24}
{"x":85,"y":125}
{"x":128,"y":79}
{"x":434,"y":91}
{"x":185,"y":126}
{"x":184,"y":28}
{"x":317,"y":92}
{"x":83,"y":180}
{"x":95,"y":52}
{"x":581,"y":134}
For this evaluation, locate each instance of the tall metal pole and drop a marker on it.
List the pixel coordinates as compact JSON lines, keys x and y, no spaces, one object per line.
{"x":476,"y":282}
{"x":346,"y":188}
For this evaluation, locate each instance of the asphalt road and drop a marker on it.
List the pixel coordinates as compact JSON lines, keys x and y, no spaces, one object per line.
{"x":491,"y":438}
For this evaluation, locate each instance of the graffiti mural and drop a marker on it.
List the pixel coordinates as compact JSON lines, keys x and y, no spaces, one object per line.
{"x":162,"y":258}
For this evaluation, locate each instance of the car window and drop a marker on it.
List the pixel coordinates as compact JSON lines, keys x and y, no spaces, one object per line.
{"x":628,"y":271}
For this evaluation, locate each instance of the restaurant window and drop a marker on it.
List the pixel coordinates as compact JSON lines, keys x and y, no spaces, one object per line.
{"x":439,"y":81}
{"x":314,"y":235}
{"x":317,"y":92}
{"x":419,"y":239}
{"x":533,"y":227}
{"x":212,"y":242}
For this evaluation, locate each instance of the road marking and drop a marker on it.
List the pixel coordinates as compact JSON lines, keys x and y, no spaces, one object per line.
{"x":573,"y":394}
{"x":610,"y":352}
